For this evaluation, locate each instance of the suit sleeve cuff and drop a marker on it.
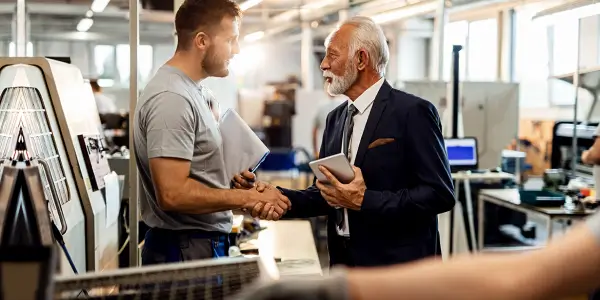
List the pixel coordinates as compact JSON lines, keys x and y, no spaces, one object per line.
{"x":371,"y":201}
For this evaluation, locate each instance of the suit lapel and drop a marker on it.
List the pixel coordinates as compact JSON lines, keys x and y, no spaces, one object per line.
{"x":379,"y":105}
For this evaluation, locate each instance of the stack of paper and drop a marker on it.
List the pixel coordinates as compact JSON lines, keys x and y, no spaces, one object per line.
{"x":242,"y":149}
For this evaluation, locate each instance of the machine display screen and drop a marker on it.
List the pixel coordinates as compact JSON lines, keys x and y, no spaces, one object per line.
{"x":462,"y":152}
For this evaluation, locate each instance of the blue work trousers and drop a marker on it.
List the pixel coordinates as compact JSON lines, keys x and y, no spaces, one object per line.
{"x":168,"y":246}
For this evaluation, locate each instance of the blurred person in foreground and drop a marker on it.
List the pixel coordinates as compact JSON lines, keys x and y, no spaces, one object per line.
{"x":105,"y":104}
{"x":592,"y":157}
{"x":569,"y":266}
{"x":186,"y":198}
{"x":388,"y":213}
{"x":321,"y":118}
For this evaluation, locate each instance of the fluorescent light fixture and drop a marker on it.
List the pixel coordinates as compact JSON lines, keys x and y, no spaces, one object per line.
{"x":570,"y":14}
{"x":255,"y":36}
{"x":89,"y":14}
{"x":406,"y":12}
{"x":99,"y":5}
{"x":85,"y":24}
{"x":249,"y":3}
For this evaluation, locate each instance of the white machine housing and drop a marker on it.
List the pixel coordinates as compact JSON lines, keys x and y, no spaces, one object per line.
{"x":70,"y":110}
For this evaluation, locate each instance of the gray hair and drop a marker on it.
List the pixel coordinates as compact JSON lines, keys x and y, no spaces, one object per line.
{"x":370,"y":37}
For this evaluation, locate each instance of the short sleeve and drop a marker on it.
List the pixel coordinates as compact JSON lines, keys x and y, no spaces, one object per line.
{"x":597,"y":134}
{"x":170,"y":126}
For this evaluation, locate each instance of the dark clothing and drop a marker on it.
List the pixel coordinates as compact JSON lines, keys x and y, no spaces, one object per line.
{"x":408,"y":183}
{"x":168,"y":246}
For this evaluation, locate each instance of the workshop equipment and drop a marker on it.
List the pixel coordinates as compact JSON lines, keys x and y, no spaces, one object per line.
{"x":55,"y":109}
{"x":214,"y":279}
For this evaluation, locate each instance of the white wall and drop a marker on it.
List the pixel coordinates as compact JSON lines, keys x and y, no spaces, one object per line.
{"x":412,"y":49}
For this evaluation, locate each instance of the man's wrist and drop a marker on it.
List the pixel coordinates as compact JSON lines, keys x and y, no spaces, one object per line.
{"x":242,"y":199}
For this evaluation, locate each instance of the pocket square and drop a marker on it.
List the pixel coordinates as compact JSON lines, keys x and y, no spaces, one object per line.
{"x":381,"y":142}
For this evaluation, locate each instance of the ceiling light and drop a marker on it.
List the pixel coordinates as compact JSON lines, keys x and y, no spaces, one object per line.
{"x":85,"y":24}
{"x":99,"y":5}
{"x":255,"y":36}
{"x":89,"y":14}
{"x":409,"y":11}
{"x":249,"y":3}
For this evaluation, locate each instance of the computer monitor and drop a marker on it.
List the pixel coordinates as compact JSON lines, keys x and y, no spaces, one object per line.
{"x":462,"y":154}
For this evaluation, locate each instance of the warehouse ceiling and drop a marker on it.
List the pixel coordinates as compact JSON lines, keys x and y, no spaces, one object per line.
{"x":58,"y":18}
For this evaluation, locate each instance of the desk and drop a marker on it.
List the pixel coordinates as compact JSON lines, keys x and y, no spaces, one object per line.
{"x":294,"y":244}
{"x":466,"y":178}
{"x":510,"y":198}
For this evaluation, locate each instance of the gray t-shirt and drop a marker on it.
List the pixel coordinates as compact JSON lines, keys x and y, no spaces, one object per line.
{"x":173,"y":119}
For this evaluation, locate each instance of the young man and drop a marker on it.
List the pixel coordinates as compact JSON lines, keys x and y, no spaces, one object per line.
{"x":186,"y":198}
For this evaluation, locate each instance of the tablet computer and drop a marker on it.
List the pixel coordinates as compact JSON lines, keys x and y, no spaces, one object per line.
{"x":337,"y":164}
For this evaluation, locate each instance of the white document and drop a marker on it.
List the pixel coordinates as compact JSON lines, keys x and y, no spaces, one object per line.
{"x":113,"y":198}
{"x":242,"y":149}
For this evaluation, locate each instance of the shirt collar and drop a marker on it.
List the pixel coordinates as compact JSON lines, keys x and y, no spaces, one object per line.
{"x":367,"y":97}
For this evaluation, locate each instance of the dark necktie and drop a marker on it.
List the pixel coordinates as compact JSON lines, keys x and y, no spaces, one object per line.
{"x":348,"y":127}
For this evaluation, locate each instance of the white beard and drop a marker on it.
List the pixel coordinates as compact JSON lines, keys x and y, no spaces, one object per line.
{"x":340,"y":84}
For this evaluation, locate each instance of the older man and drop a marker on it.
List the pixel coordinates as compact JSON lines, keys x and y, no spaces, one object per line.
{"x":388,"y":213}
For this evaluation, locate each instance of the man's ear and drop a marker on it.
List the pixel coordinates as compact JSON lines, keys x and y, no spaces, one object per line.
{"x":201,"y":40}
{"x":362,"y":58}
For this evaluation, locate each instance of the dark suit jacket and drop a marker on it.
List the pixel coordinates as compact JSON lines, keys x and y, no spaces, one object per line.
{"x":408,"y":182}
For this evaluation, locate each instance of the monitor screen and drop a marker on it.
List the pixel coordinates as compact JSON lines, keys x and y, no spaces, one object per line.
{"x":462,"y":152}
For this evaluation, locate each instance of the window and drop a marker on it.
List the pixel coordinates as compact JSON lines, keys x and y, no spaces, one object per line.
{"x":482,"y":55}
{"x":564,"y":46}
{"x":455,"y":33}
{"x":531,"y":68}
{"x":104,"y":61}
{"x":145,"y":63}
{"x":12,"y":49}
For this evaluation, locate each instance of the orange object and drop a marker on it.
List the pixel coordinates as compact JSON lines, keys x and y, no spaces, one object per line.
{"x":586,"y":192}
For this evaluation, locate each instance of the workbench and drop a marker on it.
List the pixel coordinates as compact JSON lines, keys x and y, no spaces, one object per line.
{"x":511,"y":199}
{"x":292,"y":242}
{"x":452,"y":227}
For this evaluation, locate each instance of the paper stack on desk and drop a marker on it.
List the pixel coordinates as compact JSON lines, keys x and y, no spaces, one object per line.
{"x":242,"y":149}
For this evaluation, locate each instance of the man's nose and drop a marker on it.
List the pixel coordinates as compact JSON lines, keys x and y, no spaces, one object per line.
{"x":324,"y":64}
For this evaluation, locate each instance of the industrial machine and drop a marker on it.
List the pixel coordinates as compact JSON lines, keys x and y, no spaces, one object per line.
{"x":216,"y":279}
{"x":27,"y":249}
{"x":28,"y":252}
{"x":55,"y":109}
{"x":562,"y":148}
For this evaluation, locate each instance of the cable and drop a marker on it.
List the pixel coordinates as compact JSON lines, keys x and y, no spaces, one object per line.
{"x":61,"y":242}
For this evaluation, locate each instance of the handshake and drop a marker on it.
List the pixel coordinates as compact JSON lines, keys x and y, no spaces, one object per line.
{"x":261,"y":199}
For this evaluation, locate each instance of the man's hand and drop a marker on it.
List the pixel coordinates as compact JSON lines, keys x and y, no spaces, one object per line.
{"x":341,"y":195}
{"x":267,"y":202}
{"x":261,"y":209}
{"x":245,"y":180}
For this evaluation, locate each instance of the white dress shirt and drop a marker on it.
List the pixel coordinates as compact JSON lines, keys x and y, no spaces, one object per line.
{"x":363,"y":104}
